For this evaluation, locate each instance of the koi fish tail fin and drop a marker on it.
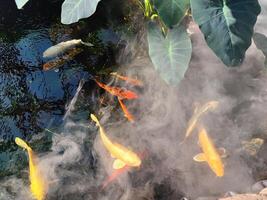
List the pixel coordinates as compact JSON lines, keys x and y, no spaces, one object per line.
{"x":94,"y":118}
{"x":104,"y":185}
{"x":87,"y":44}
{"x":22,"y":143}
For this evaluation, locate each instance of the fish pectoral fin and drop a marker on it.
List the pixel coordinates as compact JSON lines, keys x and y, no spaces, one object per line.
{"x":118,"y":164}
{"x":112,"y":156}
{"x":222,"y":152}
{"x":200,"y":157}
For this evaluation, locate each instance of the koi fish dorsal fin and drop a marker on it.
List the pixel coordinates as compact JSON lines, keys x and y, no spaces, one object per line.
{"x":118,"y":164}
{"x":222,"y":152}
{"x":200,"y":157}
{"x":94,"y":118}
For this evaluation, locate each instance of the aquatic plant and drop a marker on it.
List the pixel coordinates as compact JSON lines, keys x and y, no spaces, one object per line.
{"x":226,"y":25}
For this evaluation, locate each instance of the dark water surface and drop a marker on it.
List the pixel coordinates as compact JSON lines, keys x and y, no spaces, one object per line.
{"x":31,"y":99}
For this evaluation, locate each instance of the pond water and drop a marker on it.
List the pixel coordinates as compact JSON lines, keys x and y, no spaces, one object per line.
{"x":51,"y":111}
{"x":31,"y":99}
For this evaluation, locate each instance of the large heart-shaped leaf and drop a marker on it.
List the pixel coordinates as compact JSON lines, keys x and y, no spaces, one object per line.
{"x":170,"y":55}
{"x":171,"y":11}
{"x":260,"y":41}
{"x":227,"y":26}
{"x":21,"y":3}
{"x":73,"y":10}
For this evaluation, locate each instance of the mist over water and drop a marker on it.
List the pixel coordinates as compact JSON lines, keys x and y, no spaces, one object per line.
{"x":78,"y":163}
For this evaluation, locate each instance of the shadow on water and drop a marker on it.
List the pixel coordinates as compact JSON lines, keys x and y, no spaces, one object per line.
{"x":31,"y":99}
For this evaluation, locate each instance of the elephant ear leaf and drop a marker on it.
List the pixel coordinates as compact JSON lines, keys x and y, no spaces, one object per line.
{"x":170,"y":55}
{"x":260,"y":41}
{"x":20,"y":3}
{"x":73,"y":10}
{"x":227,"y":26}
{"x":171,"y":11}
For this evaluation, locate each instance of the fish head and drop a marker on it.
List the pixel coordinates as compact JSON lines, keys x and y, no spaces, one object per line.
{"x":129,"y":157}
{"x":217,"y":167}
{"x":129,"y":94}
{"x":134,"y":161}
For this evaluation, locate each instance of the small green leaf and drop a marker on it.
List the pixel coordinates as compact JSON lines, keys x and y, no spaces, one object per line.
{"x":171,"y":11}
{"x":170,"y":55}
{"x":227,"y":26}
{"x":73,"y":10}
{"x":20,"y":3}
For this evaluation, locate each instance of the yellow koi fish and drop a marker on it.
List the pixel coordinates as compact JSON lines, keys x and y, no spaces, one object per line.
{"x":38,"y":184}
{"x":198,"y":112}
{"x":210,"y":153}
{"x":123,"y":155}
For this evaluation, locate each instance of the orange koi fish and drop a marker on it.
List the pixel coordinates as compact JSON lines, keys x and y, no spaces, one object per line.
{"x":127,"y":79}
{"x":123,"y":155}
{"x":38,"y":184}
{"x":119,"y":92}
{"x":62,"y":60}
{"x":127,"y":114}
{"x":210,"y":153}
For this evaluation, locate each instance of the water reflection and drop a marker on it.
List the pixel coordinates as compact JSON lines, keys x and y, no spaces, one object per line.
{"x":31,"y":99}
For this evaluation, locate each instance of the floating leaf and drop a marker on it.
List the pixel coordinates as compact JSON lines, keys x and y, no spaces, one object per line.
{"x":171,"y":54}
{"x":227,"y":26}
{"x":73,"y":10}
{"x":21,"y":3}
{"x":171,"y":11}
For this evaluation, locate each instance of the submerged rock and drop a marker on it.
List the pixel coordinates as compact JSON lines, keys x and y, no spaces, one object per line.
{"x":261,"y":196}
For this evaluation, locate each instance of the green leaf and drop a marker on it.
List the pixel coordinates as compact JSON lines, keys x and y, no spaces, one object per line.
{"x":171,"y":11}
{"x":20,"y":3}
{"x":170,"y":55}
{"x":73,"y":10}
{"x":227,"y":26}
{"x":260,"y":41}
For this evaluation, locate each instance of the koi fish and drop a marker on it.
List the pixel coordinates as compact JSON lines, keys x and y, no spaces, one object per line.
{"x":60,"y":61}
{"x":62,"y":47}
{"x":127,"y":114}
{"x":198,"y":112}
{"x":253,"y":146}
{"x":38,"y":184}
{"x":123,"y":155}
{"x":119,"y":92}
{"x":127,"y":79}
{"x":210,"y":153}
